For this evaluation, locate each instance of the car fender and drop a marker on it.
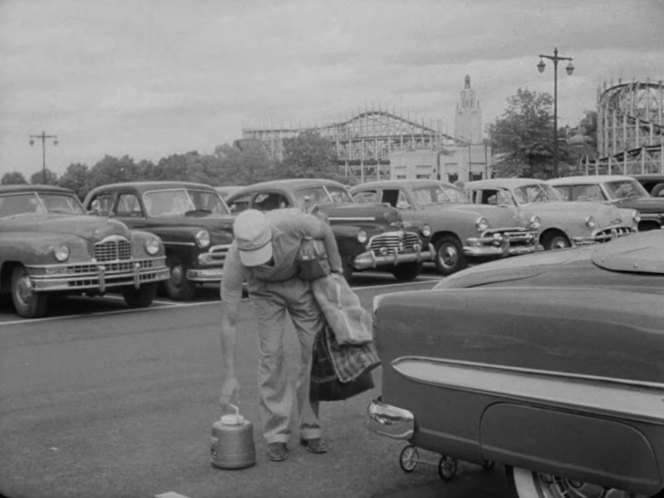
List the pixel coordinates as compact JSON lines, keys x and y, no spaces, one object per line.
{"x":573,"y":445}
{"x":30,"y":248}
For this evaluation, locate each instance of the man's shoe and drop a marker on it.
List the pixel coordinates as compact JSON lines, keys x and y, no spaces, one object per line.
{"x":277,"y":452}
{"x":316,"y":445}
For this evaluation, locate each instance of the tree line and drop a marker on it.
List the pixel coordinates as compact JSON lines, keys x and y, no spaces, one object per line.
{"x":521,"y":140}
{"x":246,"y":161}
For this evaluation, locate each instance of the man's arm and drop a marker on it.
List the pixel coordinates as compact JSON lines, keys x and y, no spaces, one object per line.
{"x":332,"y":249}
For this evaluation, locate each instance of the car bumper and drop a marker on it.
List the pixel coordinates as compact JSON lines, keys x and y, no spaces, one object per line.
{"x":205,"y":274}
{"x":389,"y":420}
{"x":369,"y":259}
{"x":501,"y":243}
{"x":498,"y":251}
{"x":97,"y":276}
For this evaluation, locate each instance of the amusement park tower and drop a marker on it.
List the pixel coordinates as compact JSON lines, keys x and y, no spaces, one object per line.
{"x":468,"y":117}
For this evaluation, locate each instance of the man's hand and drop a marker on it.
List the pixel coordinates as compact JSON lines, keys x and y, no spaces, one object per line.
{"x":229,"y":392}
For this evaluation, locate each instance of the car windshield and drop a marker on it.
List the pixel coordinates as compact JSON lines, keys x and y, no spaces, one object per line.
{"x":583,"y":193}
{"x":33,"y":203}
{"x":535,"y":193}
{"x":625,"y":189}
{"x":182,"y":202}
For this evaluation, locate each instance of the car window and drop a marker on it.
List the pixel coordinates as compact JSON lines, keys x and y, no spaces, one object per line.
{"x":535,"y":193}
{"x":206,"y":201}
{"x":583,"y":193}
{"x":58,"y":203}
{"x":431,"y":194}
{"x":307,"y":198}
{"x":455,"y":194}
{"x":11,"y":205}
{"x":239,"y":204}
{"x":338,"y":195}
{"x":128,"y":206}
{"x":102,"y":203}
{"x":164,"y":203}
{"x":366,"y":196}
{"x":624,"y":189}
{"x":269,"y":201}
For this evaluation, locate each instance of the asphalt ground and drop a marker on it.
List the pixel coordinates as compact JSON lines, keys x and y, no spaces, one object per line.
{"x":101,"y":401}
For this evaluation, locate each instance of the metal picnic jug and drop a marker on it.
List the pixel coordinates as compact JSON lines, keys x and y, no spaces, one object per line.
{"x":232,"y":442}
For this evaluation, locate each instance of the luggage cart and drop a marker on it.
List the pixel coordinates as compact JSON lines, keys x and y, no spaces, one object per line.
{"x":447,"y":464}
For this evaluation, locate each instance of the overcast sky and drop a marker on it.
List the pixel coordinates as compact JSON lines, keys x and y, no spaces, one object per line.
{"x":153,"y":78}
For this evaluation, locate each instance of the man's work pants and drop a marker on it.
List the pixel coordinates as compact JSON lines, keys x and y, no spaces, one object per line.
{"x":272,"y":300}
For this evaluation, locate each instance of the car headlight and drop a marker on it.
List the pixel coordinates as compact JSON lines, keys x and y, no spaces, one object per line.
{"x":636,"y":217}
{"x":362,"y":237}
{"x":152,"y":246}
{"x":426,"y":231}
{"x":481,"y":224}
{"x":203,"y":238}
{"x":591,"y":222}
{"x":535,"y":222}
{"x":61,"y":253}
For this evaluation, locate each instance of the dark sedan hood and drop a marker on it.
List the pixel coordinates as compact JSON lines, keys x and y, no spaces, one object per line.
{"x":89,"y":227}
{"x":643,"y":204}
{"x":209,"y":222}
{"x":360,"y":212}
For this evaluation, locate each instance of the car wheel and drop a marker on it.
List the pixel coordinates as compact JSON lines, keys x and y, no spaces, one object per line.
{"x":178,"y":287}
{"x":555,"y":241}
{"x":141,"y":297}
{"x":28,"y":304}
{"x":529,"y":484}
{"x":447,"y":467}
{"x":407,"y":271}
{"x":408,"y":458}
{"x":449,"y":255}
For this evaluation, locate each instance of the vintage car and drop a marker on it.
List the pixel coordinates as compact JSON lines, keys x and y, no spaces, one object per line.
{"x":563,"y":224}
{"x":49,"y":246}
{"x":460,"y":231}
{"x":549,"y":364}
{"x":621,"y":191}
{"x":191,"y":219}
{"x":652,"y":182}
{"x":369,"y":236}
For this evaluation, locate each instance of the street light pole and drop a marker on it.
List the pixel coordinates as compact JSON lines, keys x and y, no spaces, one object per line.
{"x":43,"y":138}
{"x":570,"y":69}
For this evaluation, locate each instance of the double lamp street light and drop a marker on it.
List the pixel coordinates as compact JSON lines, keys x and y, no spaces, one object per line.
{"x":43,"y":138}
{"x":570,"y":69}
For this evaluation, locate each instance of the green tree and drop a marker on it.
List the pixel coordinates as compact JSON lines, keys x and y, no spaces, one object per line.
{"x":76,"y":177}
{"x":523,"y":136}
{"x":246,"y":161}
{"x":112,"y":170}
{"x":13,"y":178}
{"x":309,"y":156}
{"x":37,"y":178}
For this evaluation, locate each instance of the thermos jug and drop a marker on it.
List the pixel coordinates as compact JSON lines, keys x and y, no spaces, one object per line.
{"x":232,"y":442}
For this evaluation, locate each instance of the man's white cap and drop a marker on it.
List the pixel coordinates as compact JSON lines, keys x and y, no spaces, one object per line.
{"x":253,"y":237}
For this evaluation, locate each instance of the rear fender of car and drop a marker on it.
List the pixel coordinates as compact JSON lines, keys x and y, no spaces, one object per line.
{"x":577,"y":446}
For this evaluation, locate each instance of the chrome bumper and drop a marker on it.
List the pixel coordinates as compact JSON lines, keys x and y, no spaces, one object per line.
{"x":97,"y":276}
{"x":368,"y":260}
{"x":205,"y":274}
{"x":391,"y":421}
{"x":488,"y":251}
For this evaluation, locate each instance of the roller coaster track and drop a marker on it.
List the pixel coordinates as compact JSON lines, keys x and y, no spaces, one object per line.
{"x":630,"y":128}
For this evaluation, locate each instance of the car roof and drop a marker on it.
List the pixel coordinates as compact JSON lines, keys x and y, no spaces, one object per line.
{"x":142,"y":186}
{"x":287,"y":184}
{"x":588,"y":180}
{"x":650,"y":176}
{"x":400,"y":183}
{"x":32,"y":188}
{"x":504,"y":182}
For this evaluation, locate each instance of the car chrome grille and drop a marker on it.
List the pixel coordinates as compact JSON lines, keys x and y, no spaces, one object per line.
{"x":218,"y":253}
{"x":394,"y":242}
{"x":120,"y":266}
{"x":113,"y":248}
{"x":612,"y":233}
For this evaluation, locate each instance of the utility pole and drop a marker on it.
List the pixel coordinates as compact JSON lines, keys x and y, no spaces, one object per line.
{"x":570,"y":69}
{"x":43,"y":138}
